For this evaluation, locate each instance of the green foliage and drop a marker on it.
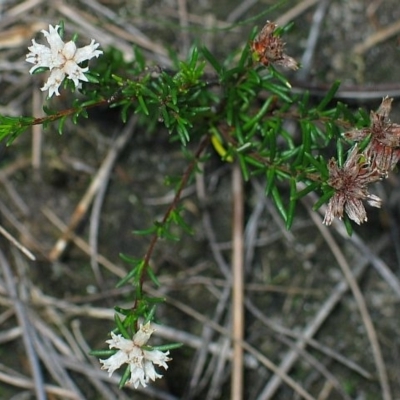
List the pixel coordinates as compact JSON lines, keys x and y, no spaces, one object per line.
{"x":241,"y":105}
{"x":240,"y":109}
{"x":12,"y":127}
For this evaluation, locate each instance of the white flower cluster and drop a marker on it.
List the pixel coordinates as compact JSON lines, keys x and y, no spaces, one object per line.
{"x":61,"y":59}
{"x":140,"y":361}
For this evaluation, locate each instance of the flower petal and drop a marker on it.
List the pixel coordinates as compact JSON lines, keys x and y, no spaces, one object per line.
{"x":69,"y":50}
{"x":157,"y":357}
{"x":374,"y":201}
{"x":87,"y":52}
{"x":334,"y":208}
{"x":54,"y":38}
{"x":39,"y":55}
{"x":114,"y":362}
{"x":355,"y":210}
{"x":53,"y":82}
{"x":150,"y":371}
{"x":74,"y":72}
{"x":141,"y":362}
{"x":61,"y":58}
{"x":142,"y":336}
{"x":138,"y":376}
{"x":119,"y":342}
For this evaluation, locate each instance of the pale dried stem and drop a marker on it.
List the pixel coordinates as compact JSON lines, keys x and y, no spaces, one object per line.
{"x":26,"y":383}
{"x":25,"y":324}
{"x":360,"y":300}
{"x":83,"y":206}
{"x":201,"y":376}
{"x":377,"y":37}
{"x":116,"y":148}
{"x":310,"y":330}
{"x":16,"y":243}
{"x":295,"y":12}
{"x":184,"y":25}
{"x":84,"y":246}
{"x":241,"y":9}
{"x":265,"y":361}
{"x":112,"y":35}
{"x":314,"y":33}
{"x":20,"y":10}
{"x":237,"y":283}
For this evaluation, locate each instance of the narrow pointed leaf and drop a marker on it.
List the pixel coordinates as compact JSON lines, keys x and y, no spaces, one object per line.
{"x":329,"y":96}
{"x":121,"y":327}
{"x":292,"y":204}
{"x":279,"y":204}
{"x":125,"y":377}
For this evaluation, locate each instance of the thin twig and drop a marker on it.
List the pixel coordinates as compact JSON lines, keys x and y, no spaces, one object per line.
{"x":37,"y":130}
{"x":309,"y":331}
{"x":280,"y":330}
{"x":83,"y":245}
{"x":308,"y":55}
{"x":114,"y":152}
{"x":199,"y":379}
{"x":16,"y":199}
{"x":24,"y":322}
{"x":184,"y":24}
{"x":380,"y":266}
{"x":209,"y":232}
{"x":201,"y":359}
{"x":83,"y":205}
{"x":295,"y":11}
{"x":72,"y":310}
{"x":318,"y":366}
{"x":377,"y":37}
{"x":29,"y":384}
{"x":21,"y":9}
{"x":371,"y":332}
{"x":219,"y":367}
{"x":16,"y":243}
{"x":109,"y":32}
{"x":241,"y":9}
{"x":247,"y":347}
{"x":185,"y":178}
{"x":97,"y":382}
{"x":49,"y":357}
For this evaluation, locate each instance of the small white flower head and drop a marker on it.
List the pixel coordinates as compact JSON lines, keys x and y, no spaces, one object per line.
{"x":61,"y":59}
{"x":141,"y":362}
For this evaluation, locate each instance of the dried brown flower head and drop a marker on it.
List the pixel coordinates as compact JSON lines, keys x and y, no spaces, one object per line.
{"x":350,"y":183}
{"x":269,"y":48}
{"x":383,"y":151}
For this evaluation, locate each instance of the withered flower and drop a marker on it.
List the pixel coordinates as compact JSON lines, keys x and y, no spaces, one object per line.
{"x":350,"y":183}
{"x":268,"y":48}
{"x":383,"y":151}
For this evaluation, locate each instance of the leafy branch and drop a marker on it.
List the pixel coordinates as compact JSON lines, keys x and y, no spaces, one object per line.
{"x":239,"y":107}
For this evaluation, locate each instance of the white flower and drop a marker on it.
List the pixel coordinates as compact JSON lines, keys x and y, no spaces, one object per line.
{"x":141,"y":362}
{"x":61,"y":59}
